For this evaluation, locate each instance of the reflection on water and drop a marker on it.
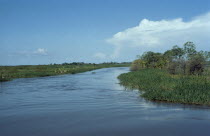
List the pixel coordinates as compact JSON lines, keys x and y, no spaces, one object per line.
{"x":92,"y":104}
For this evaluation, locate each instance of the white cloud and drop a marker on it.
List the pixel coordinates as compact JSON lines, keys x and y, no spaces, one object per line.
{"x":37,"y":52}
{"x":100,"y":55}
{"x":164,"y":33}
{"x":40,"y":51}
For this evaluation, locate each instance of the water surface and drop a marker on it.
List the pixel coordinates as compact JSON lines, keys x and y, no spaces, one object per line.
{"x":92,"y":104}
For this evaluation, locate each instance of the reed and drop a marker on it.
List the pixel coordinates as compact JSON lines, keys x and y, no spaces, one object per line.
{"x":159,"y":85}
{"x":10,"y":72}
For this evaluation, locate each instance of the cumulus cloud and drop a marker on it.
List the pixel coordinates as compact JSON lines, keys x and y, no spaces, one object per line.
{"x":100,"y":55}
{"x":155,"y":34}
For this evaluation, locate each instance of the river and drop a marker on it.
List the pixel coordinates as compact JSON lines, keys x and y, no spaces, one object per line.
{"x":92,"y":104}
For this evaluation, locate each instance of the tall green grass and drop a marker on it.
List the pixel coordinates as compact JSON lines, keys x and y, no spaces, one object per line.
{"x":158,"y":85}
{"x":10,"y":72}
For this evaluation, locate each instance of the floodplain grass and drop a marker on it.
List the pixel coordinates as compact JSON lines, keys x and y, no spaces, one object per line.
{"x":8,"y":73}
{"x":159,"y":85}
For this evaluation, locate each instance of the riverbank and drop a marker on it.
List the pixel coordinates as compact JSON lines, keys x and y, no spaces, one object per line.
{"x":8,"y":73}
{"x":159,"y":85}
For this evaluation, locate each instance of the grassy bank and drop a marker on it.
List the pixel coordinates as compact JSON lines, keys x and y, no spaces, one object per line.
{"x":10,"y":72}
{"x":159,"y":85}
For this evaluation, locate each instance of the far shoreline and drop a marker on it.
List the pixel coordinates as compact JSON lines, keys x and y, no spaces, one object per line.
{"x":8,"y":73}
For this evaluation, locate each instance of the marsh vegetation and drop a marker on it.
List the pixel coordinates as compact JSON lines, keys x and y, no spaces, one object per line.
{"x":179,"y":75}
{"x":10,"y":72}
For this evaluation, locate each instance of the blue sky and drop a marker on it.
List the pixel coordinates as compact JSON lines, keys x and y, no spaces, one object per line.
{"x":57,"y":31}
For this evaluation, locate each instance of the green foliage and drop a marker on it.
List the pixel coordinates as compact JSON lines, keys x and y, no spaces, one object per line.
{"x":190,"y":49}
{"x":177,"y":67}
{"x":196,"y":64}
{"x":178,"y":60}
{"x":177,"y":75}
{"x":159,"y":85}
{"x":152,"y":59}
{"x":177,"y":52}
{"x":10,"y":72}
{"x":137,"y":64}
{"x":4,"y":76}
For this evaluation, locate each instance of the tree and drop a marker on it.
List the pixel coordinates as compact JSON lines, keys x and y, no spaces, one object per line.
{"x":206,"y":55}
{"x":152,"y":59}
{"x":168,"y":55}
{"x":196,"y":64}
{"x":189,"y":49}
{"x":137,"y":64}
{"x":174,"y":58}
{"x":177,"y":52}
{"x":177,"y":60}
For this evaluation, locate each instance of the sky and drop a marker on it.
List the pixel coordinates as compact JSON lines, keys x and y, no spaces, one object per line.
{"x":56,"y":31}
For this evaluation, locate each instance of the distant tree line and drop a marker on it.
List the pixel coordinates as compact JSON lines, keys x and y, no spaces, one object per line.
{"x":185,"y":60}
{"x":83,"y":63}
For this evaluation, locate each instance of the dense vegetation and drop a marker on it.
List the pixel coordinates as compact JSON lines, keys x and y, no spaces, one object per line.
{"x":178,"y":60}
{"x":178,"y":75}
{"x":11,"y":72}
{"x":159,"y":85}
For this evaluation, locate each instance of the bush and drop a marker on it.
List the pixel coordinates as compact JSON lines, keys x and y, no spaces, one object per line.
{"x":137,"y":64}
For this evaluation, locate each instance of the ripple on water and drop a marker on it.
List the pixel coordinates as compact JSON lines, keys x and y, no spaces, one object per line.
{"x":92,"y":104}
